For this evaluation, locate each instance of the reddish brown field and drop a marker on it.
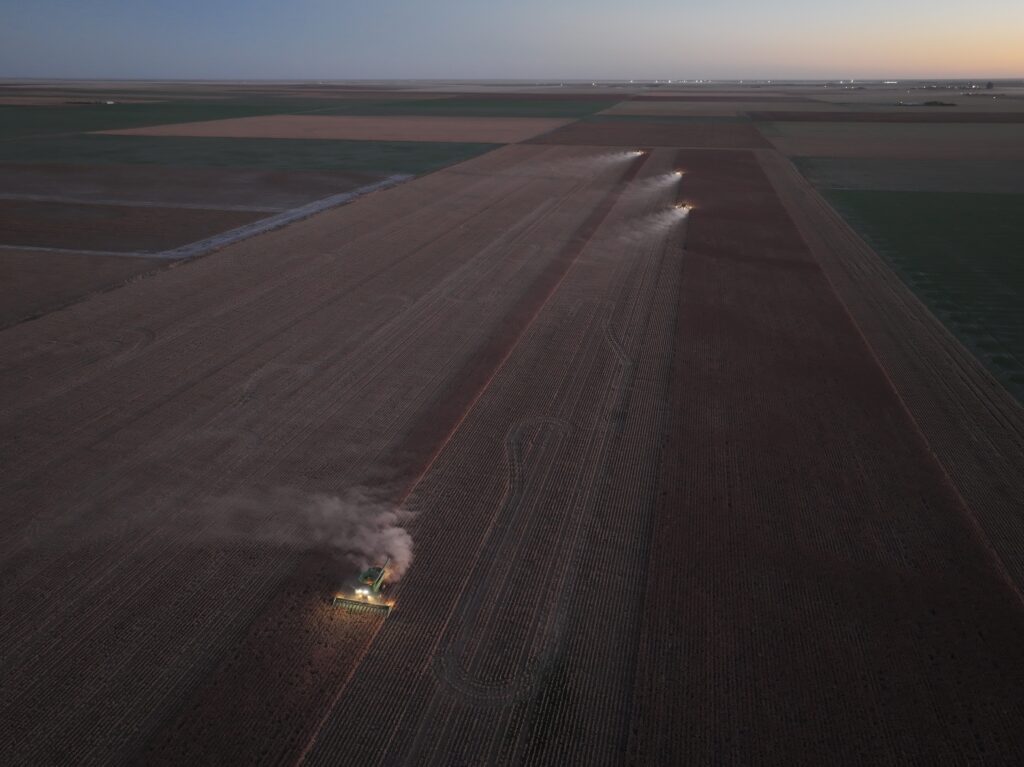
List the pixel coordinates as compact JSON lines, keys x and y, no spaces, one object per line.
{"x":119,"y":228}
{"x":807,"y":562}
{"x":637,"y":133}
{"x":974,"y":426}
{"x":33,"y":283}
{"x":498,"y":130}
{"x":299,"y":359}
{"x":811,"y":564}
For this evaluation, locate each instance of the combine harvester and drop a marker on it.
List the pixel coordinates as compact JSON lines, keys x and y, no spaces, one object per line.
{"x":365,"y":594}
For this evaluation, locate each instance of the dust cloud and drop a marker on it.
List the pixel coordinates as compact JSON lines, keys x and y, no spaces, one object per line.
{"x":355,"y":526}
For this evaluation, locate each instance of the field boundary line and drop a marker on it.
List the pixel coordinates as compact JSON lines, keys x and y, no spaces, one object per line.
{"x":230,"y":237}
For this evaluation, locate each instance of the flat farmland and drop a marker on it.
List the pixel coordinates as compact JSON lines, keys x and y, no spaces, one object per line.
{"x":495,"y":130}
{"x":896,"y":115}
{"x":35,"y":283}
{"x":789,"y":453}
{"x":726,"y":134}
{"x":867,"y":173}
{"x":945,"y":141}
{"x":222,"y":399}
{"x":672,"y":465}
{"x":736,"y":105}
{"x":125,"y":228}
{"x":265,"y":190}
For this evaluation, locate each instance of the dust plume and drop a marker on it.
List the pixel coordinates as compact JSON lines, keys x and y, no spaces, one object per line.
{"x":355,"y":526}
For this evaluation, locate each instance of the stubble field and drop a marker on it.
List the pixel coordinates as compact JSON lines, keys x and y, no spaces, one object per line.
{"x":702,"y":485}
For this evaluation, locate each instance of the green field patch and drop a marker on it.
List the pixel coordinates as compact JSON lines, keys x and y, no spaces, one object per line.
{"x":383,"y":157}
{"x":61,"y":119}
{"x":910,"y":175}
{"x":963,"y":254}
{"x":469,"y":107}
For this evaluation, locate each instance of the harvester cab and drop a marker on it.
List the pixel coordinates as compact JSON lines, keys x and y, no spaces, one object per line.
{"x":364,"y":595}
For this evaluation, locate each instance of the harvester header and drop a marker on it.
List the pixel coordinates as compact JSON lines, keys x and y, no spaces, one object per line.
{"x":364,"y":594}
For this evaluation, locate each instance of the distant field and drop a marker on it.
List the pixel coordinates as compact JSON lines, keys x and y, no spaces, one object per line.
{"x":896,"y":141}
{"x":962,"y":254}
{"x":469,"y":106}
{"x":706,"y":135}
{"x":35,"y":283}
{"x":497,"y":130}
{"x":214,"y":187}
{"x":112,"y":227}
{"x":913,"y":175}
{"x":279,"y":154}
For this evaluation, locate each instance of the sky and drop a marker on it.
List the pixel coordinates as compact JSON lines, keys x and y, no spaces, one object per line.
{"x":525,"y":39}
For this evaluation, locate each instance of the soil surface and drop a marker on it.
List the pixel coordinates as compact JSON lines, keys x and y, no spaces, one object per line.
{"x":33,"y":283}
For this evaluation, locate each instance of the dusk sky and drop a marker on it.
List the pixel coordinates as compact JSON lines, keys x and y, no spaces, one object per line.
{"x":525,"y":39}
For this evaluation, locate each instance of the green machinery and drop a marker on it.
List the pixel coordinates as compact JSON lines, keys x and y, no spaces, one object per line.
{"x":365,"y":594}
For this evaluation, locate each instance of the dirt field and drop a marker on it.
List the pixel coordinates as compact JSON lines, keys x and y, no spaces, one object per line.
{"x":636,"y":133}
{"x":120,"y":228}
{"x":34,"y":283}
{"x":769,"y":364}
{"x":496,"y":130}
{"x":899,"y":142}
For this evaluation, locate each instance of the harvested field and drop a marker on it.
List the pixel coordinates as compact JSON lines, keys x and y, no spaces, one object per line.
{"x":898,"y":115}
{"x":972,"y":423}
{"x":895,"y":141}
{"x":709,"y":135}
{"x":699,"y":485}
{"x":33,"y":283}
{"x":120,"y":228}
{"x":272,"y":363}
{"x":495,"y":130}
{"x":172,"y":186}
{"x":810,"y":561}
